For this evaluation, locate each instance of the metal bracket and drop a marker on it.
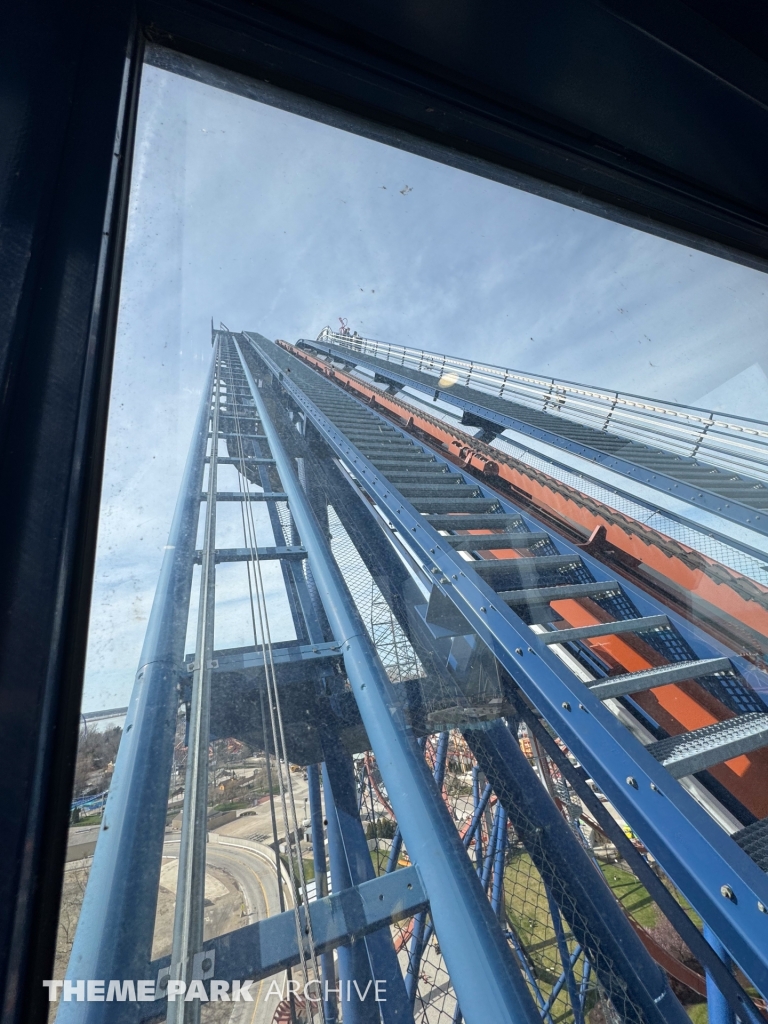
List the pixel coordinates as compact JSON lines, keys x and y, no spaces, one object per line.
{"x":269,"y":946}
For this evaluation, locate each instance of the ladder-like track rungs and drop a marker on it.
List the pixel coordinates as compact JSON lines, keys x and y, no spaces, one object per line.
{"x":418,"y":461}
{"x":501,"y":521}
{"x":445,"y":505}
{"x":568,"y":591}
{"x":248,"y":496}
{"x":425,"y":471}
{"x":487,"y":566}
{"x":698,"y":750}
{"x":564,"y":636}
{"x":225,"y":435}
{"x":384,"y":443}
{"x":249,"y":460}
{"x":495,"y":541}
{"x":362,"y":432}
{"x":269,"y":554}
{"x":447,"y":490}
{"x":638,"y":682}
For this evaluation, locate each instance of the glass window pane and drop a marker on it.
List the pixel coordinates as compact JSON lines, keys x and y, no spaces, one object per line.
{"x":406,"y":467}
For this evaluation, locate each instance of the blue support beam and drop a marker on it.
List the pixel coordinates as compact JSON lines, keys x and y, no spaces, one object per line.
{"x":691,"y":847}
{"x":719,"y":1010}
{"x":475,"y":830}
{"x":544,"y":1007}
{"x":327,"y":966}
{"x":351,"y":845}
{"x":394,"y":853}
{"x":584,"y":985}
{"x":415,"y":952}
{"x":497,"y":893}
{"x":354,"y":965}
{"x":493,"y":842}
{"x":419,"y":922}
{"x":264,"y":948}
{"x":567,"y":959}
{"x":578,"y":1003}
{"x":476,"y":803}
{"x":485,"y":976}
{"x":117,"y":920}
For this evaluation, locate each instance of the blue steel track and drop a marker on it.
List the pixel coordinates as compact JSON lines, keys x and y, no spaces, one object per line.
{"x":333,"y":675}
{"x":692,"y":848}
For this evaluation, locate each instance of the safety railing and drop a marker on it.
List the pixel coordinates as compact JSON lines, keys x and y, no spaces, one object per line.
{"x":731,"y":442}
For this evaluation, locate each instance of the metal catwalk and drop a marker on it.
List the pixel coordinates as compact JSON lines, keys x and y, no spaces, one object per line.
{"x":484,"y":698}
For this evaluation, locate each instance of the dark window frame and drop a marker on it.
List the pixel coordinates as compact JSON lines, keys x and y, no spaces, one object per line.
{"x":69,"y":79}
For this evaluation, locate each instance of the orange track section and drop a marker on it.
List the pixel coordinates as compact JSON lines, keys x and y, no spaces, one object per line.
{"x":676,"y":707}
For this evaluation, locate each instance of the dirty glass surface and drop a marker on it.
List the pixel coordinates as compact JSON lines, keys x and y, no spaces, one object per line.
{"x":434,"y":528}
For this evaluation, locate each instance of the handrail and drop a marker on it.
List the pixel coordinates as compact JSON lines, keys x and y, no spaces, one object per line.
{"x":732,"y":442}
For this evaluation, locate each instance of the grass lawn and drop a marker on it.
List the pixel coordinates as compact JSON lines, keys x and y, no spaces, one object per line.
{"x":235,"y":805}
{"x":528,"y":913}
{"x":631,"y":894}
{"x":380,"y":859}
{"x":309,"y":870}
{"x":91,"y":819}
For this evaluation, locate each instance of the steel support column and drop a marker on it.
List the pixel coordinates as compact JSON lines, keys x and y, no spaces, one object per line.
{"x":497,"y":892}
{"x":354,"y":966}
{"x":321,"y":882}
{"x":381,"y":954}
{"x":718,"y":1008}
{"x":475,"y":803}
{"x":487,"y":980}
{"x":189,"y":916}
{"x":567,"y":959}
{"x":114,"y":933}
{"x":419,"y":922}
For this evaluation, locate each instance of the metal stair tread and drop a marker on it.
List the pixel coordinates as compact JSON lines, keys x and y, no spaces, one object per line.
{"x":562,"y":636}
{"x":536,"y":562}
{"x":445,"y":505}
{"x":700,"y":749}
{"x":648,"y":679}
{"x":481,"y":521}
{"x":496,"y":541}
{"x":426,"y":490}
{"x":566,"y":591}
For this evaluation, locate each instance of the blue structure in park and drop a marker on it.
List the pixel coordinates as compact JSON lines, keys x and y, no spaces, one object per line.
{"x":487,"y":780}
{"x":616,"y":641}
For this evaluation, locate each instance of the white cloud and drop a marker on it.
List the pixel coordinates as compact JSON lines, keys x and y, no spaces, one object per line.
{"x":281,"y":225}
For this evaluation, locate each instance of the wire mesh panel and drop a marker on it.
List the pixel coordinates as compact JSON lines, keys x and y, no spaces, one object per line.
{"x":392,"y":645}
{"x":534,"y":916}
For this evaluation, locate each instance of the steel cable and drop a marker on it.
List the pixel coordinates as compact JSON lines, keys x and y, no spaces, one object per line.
{"x":259,"y":610}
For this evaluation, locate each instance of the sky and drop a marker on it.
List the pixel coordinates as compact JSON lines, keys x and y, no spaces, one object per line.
{"x":270,"y":222}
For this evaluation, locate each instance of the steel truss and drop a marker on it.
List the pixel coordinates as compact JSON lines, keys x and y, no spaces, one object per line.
{"x":484,"y":670}
{"x":672,"y":825}
{"x":714,"y":462}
